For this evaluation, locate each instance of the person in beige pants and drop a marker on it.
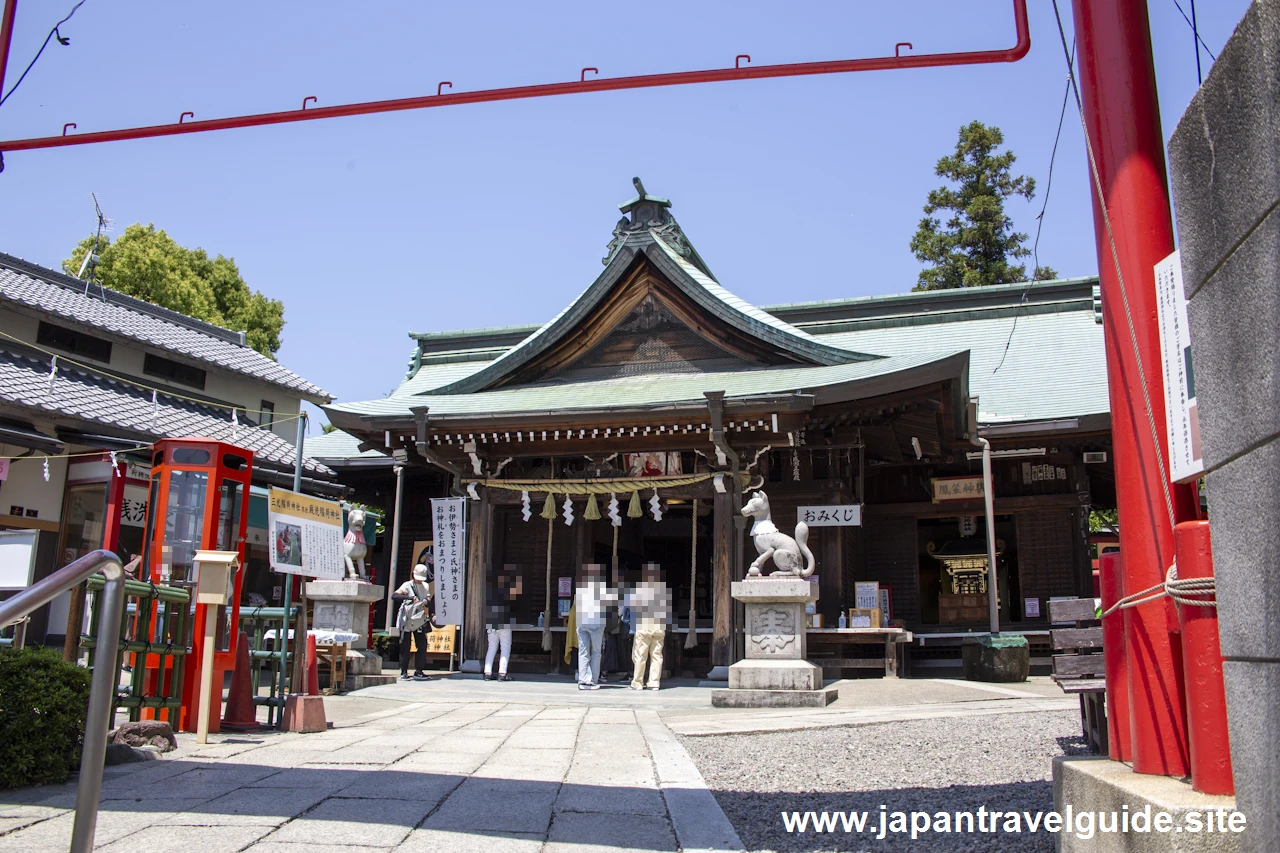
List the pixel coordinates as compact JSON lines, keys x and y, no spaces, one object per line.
{"x":651,"y":605}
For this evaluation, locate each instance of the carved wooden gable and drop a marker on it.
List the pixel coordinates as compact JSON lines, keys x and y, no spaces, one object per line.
{"x":647,"y":326}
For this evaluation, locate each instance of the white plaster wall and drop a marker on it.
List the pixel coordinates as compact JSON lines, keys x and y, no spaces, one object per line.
{"x":26,"y":487}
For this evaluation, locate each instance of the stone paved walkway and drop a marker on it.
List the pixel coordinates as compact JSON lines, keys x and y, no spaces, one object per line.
{"x":480,"y":776}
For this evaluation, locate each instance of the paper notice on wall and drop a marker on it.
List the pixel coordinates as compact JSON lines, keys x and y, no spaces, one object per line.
{"x":1182,"y":418}
{"x":448,"y":518}
{"x":305,"y":535}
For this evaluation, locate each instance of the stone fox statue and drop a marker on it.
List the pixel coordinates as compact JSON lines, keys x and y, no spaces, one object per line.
{"x":354,"y":548}
{"x":791,"y":556}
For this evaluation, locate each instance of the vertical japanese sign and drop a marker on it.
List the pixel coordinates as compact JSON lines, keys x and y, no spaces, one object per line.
{"x":1182,"y":418}
{"x":305,"y":535}
{"x":448,"y":522}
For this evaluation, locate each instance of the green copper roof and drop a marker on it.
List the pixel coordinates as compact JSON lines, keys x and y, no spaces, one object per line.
{"x":656,"y":391}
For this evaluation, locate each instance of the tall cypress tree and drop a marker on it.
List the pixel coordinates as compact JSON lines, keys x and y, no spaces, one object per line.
{"x":977,"y":245}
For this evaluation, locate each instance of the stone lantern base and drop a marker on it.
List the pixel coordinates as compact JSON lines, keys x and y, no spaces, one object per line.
{"x":775,"y":673}
{"x":343,"y":607}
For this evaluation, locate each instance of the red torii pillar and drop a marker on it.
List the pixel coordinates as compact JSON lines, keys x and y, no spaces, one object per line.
{"x":1122,"y":119}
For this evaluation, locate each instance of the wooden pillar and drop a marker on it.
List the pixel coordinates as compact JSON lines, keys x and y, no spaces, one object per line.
{"x":721,"y":576}
{"x":479,"y":531}
{"x":830,"y":573}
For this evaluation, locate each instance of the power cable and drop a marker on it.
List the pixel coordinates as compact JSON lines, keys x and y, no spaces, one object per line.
{"x":62,"y":40}
{"x":1048,"y":186}
{"x":1196,"y":32}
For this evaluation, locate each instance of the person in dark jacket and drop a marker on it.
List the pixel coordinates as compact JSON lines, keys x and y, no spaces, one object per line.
{"x":498,"y":620}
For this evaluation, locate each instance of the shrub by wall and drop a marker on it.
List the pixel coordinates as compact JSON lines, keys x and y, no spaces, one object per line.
{"x":43,"y":703}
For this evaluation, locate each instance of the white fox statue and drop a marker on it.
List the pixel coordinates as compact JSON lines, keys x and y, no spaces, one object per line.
{"x":791,"y":556}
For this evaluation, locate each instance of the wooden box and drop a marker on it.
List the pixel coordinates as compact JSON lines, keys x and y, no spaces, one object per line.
{"x":864,"y":617}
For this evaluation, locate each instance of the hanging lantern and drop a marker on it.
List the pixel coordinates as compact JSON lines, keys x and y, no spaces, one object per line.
{"x":549,"y":508}
{"x":592,"y":512}
{"x":633,"y":508}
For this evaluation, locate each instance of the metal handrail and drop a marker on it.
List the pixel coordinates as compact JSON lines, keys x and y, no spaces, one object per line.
{"x":101,"y":687}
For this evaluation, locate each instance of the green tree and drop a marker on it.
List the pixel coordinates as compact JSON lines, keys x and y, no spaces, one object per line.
{"x":147,"y":263}
{"x":976,"y":245}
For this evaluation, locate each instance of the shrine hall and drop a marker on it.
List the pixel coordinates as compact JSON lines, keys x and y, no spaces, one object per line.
{"x":633,"y":426}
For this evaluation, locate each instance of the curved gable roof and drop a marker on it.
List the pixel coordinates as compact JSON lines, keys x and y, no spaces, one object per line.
{"x":664,"y":253}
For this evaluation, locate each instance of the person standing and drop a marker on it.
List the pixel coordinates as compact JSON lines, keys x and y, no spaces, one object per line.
{"x":412,"y":620}
{"x":590,"y":602}
{"x":498,"y":620}
{"x":651,"y":605}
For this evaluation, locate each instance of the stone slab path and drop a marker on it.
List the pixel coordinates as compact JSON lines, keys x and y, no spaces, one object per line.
{"x":416,"y":778}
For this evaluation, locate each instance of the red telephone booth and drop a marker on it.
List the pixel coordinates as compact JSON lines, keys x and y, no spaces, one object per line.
{"x":198,"y":501}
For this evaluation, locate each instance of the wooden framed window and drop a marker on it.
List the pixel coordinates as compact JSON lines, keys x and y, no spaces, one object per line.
{"x":69,"y":340}
{"x":182,"y":374}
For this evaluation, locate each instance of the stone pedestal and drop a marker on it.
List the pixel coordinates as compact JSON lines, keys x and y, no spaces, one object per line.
{"x":775,"y":673}
{"x":344,"y":606}
{"x":1100,"y":787}
{"x":999,"y":658}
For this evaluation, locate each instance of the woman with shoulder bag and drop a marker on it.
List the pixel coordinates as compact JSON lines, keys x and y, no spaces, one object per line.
{"x":412,"y":621}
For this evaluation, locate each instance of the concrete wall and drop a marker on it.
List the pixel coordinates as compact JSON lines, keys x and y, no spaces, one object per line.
{"x":1224,"y":161}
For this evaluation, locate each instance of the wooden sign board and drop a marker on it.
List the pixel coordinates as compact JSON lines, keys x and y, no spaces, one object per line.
{"x":441,"y":640}
{"x":957,"y":488}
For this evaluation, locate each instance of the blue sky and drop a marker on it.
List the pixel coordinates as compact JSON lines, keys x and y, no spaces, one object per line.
{"x":497,"y":214}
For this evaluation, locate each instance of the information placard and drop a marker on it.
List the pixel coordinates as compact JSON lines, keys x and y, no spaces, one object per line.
{"x":305,"y":534}
{"x":1182,"y":417}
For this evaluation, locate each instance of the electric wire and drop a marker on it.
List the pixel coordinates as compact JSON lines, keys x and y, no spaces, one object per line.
{"x":1196,"y":32}
{"x":62,"y":40}
{"x":1124,"y":293}
{"x":1035,"y":246}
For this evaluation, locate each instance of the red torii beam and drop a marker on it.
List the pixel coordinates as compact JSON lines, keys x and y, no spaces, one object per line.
{"x":596,"y":84}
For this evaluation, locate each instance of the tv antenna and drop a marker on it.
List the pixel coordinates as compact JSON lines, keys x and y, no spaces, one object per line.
{"x":91,"y":258}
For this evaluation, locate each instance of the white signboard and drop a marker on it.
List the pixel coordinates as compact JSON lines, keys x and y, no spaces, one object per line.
{"x":866,"y":595}
{"x":18,"y":558}
{"x":449,"y":523}
{"x":838,"y":515}
{"x":305,"y":535}
{"x":1182,"y":418}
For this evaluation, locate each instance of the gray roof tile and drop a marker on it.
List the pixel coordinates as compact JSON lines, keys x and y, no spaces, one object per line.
{"x":60,"y":295}
{"x":104,"y":400}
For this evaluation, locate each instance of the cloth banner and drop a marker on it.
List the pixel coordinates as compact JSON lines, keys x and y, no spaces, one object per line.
{"x":448,"y":517}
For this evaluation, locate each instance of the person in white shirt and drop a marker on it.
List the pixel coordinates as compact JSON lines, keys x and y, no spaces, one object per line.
{"x":651,"y":604}
{"x":590,"y":603}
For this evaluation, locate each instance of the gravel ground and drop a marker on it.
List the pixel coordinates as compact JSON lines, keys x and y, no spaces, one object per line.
{"x":1001,"y":761}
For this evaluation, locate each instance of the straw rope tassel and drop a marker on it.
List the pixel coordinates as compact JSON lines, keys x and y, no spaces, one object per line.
{"x":546,"y":619}
{"x":633,"y":508}
{"x":691,"y":639}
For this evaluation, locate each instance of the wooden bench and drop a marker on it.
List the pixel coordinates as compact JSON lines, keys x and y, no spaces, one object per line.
{"x":1082,"y":666}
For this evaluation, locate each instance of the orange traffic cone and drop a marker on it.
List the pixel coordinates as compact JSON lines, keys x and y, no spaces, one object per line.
{"x":313,"y":667}
{"x":241,"y":715}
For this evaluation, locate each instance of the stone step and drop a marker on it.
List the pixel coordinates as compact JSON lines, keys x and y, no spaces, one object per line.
{"x":359,"y":682}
